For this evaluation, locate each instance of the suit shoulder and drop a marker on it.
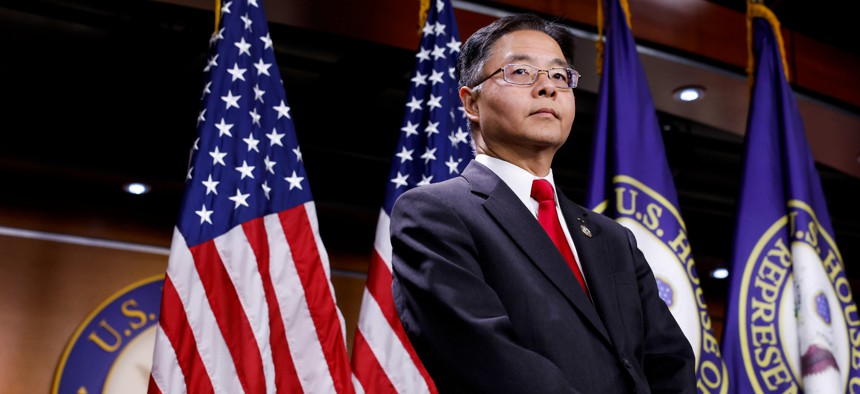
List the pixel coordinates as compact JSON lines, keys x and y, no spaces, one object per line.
{"x":444,"y":189}
{"x":602,"y":219}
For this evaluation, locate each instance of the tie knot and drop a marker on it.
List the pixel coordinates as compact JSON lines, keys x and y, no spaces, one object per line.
{"x":542,"y":190}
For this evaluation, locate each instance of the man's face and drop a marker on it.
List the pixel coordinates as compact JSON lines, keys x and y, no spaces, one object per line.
{"x":516,"y":121}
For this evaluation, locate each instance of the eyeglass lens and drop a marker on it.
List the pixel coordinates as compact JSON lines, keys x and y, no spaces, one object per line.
{"x":523,"y":74}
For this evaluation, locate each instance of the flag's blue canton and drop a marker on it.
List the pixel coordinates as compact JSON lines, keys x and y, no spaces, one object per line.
{"x":434,"y":142}
{"x":246,"y":162}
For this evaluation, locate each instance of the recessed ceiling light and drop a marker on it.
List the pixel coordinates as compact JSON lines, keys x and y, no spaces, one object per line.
{"x":720,"y":273}
{"x":689,"y":93}
{"x":136,"y":188}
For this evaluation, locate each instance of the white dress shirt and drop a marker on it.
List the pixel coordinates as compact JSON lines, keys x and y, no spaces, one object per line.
{"x":520,"y":181}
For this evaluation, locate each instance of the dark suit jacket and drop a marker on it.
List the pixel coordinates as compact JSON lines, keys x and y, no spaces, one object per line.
{"x":491,"y":306}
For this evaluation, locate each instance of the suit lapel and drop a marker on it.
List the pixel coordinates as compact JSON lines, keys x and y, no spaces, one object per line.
{"x":526,"y":232}
{"x":592,"y":252}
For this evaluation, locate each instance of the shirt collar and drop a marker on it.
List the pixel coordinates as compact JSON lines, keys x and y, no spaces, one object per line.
{"x":518,"y":179}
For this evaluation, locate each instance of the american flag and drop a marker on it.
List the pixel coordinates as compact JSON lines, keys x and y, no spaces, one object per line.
{"x":248,"y":304}
{"x":433,"y":146}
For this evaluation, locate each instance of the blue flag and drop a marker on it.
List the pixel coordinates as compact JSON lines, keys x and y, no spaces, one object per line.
{"x":792,"y":324}
{"x":433,"y":146}
{"x":630,"y":181}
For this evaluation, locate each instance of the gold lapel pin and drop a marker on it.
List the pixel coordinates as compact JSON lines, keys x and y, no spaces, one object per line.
{"x":584,"y":229}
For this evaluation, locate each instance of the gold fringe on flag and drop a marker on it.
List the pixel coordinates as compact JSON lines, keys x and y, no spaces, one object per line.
{"x":757,"y":9}
{"x":217,"y":14}
{"x":422,"y":14}
{"x":600,"y":40}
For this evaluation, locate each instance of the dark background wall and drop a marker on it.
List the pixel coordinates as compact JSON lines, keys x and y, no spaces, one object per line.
{"x":98,"y":93}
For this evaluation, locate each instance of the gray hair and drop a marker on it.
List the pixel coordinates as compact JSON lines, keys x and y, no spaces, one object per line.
{"x":478,"y":48}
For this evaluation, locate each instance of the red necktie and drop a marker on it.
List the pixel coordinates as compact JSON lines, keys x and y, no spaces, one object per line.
{"x":548,"y":218}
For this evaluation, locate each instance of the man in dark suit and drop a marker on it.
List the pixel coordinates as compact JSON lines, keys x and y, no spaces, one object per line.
{"x":495,"y":301}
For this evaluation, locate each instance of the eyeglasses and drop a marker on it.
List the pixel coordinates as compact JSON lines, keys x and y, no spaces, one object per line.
{"x":524,"y":74}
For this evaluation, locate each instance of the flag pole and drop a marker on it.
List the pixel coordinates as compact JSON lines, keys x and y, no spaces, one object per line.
{"x":599,"y":43}
{"x":217,"y":15}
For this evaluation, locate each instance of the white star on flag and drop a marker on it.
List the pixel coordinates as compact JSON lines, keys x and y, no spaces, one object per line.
{"x":258,"y":93}
{"x":244,"y":47}
{"x":262,"y":67}
{"x":231,"y":100}
{"x":415,"y":104}
{"x":429,"y":154}
{"x":419,"y":79}
{"x":275,"y":138}
{"x":410,"y":129}
{"x":224,"y":128}
{"x":283,"y":110}
{"x":237,"y":73}
{"x":405,"y":154}
{"x":240,"y":199}
{"x":295,"y":181}
{"x":436,"y":77}
{"x":210,"y":185}
{"x":218,"y":157}
{"x":400,"y":180}
{"x":245,"y":170}
{"x":205,"y":216}
{"x":201,"y":117}
{"x":252,"y":143}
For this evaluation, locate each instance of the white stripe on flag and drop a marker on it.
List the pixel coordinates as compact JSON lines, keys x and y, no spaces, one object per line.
{"x":213,"y":349}
{"x":387,"y":348}
{"x":382,"y":243}
{"x":307,"y":354}
{"x":240,"y":262}
{"x":311,"y":210}
{"x":165,"y":369}
{"x":357,"y":385}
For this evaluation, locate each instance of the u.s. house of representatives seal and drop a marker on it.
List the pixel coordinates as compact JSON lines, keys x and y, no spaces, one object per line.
{"x":799,"y":327}
{"x":111,"y":350}
{"x":662,"y":237}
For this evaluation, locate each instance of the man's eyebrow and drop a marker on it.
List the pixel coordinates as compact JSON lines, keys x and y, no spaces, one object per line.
{"x":517,"y":57}
{"x":559,"y":62}
{"x":530,"y":59}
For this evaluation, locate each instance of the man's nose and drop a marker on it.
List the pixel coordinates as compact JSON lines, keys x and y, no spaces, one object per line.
{"x":545,"y":86}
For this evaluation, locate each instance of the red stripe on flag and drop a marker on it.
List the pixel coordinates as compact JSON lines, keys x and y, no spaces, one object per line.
{"x":153,"y":388}
{"x":379,"y":285}
{"x":309,"y":265}
{"x":366,"y":368}
{"x":231,"y":318}
{"x":175,"y":325}
{"x":286,"y":377}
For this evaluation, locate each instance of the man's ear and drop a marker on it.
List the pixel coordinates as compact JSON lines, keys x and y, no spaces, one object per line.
{"x":469,"y":98}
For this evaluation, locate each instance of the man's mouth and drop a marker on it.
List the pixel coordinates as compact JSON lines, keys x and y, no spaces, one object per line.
{"x":548,"y":111}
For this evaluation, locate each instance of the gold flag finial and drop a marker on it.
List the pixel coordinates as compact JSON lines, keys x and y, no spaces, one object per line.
{"x":757,"y":9}
{"x":422,"y":14}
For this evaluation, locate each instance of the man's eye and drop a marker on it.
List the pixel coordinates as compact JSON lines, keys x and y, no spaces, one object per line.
{"x":520,"y":71}
{"x":560,"y":75}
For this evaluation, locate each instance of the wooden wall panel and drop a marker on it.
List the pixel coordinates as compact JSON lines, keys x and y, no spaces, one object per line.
{"x":697,"y":27}
{"x":825,"y":70}
{"x":48,"y":288}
